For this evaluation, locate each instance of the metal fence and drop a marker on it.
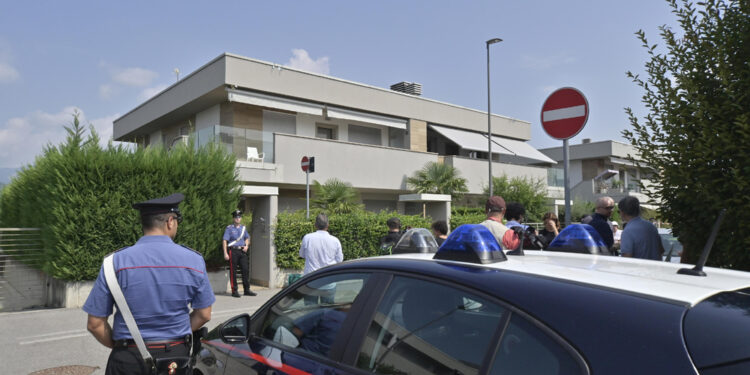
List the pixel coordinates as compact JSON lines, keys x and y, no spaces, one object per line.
{"x":22,"y":283}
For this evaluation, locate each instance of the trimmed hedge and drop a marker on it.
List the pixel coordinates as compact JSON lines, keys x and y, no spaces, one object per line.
{"x":359,"y":233}
{"x":80,"y":194}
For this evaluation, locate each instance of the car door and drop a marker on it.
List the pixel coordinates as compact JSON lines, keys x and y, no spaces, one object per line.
{"x":303,"y":330}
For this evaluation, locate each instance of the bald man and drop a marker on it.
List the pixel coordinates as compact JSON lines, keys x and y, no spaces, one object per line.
{"x":599,"y":220}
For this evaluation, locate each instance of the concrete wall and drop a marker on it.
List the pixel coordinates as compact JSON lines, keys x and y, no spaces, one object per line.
{"x":476,"y":172}
{"x":364,"y":166}
{"x":21,"y":287}
{"x":259,"y":75}
{"x":263,"y":251}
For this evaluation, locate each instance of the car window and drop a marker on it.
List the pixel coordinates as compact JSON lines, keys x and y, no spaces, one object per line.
{"x":310,"y":316}
{"x":421,"y":327}
{"x":526,"y":349}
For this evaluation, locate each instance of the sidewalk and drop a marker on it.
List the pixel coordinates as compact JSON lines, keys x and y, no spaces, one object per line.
{"x":49,"y":339}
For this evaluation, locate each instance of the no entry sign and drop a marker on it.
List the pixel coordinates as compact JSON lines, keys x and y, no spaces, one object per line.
{"x":564,"y":113}
{"x":305,"y":163}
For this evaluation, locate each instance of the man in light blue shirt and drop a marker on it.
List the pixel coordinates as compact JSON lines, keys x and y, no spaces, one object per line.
{"x":320,"y":248}
{"x":640,"y":238}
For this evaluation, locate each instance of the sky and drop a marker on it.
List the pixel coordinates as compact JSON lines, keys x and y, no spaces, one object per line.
{"x":102,"y":59}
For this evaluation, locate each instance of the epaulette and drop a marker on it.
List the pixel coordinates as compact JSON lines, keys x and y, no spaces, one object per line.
{"x":195,"y":251}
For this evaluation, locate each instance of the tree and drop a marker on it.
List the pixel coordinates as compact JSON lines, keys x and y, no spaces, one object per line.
{"x":438,"y":178}
{"x":696,"y":132}
{"x":335,"y":197}
{"x":527,"y":191}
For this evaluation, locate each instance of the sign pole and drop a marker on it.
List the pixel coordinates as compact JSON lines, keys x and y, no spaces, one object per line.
{"x":564,"y":114}
{"x":307,"y":183}
{"x":566,"y":166}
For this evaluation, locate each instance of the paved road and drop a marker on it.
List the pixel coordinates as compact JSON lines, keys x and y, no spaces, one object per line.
{"x":44,"y":339}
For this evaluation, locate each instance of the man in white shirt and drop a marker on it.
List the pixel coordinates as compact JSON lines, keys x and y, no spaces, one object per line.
{"x":320,"y":248}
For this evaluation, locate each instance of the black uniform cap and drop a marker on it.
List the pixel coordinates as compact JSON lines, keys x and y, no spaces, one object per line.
{"x":161,"y":205}
{"x":236,"y":213}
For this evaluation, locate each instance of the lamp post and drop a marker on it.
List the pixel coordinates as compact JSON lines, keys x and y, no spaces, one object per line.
{"x":489,"y":115}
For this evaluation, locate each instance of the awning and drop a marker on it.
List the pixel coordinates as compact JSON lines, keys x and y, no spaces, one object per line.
{"x":464,"y":139}
{"x":606,"y":174}
{"x":521,"y":151}
{"x":369,"y":118}
{"x":269,"y":101}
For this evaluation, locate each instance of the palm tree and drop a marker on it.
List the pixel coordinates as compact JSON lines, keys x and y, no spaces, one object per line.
{"x":437,"y":178}
{"x":335,"y":197}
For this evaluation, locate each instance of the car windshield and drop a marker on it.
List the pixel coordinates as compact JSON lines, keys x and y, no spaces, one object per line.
{"x":670,"y":242}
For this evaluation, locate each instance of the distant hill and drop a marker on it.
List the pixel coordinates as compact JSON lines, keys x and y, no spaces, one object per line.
{"x":6,"y":174}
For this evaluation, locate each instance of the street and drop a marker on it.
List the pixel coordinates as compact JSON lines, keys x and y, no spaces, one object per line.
{"x":45,"y":339}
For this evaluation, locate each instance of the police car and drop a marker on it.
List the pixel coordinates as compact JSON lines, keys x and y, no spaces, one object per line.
{"x":471,"y":309}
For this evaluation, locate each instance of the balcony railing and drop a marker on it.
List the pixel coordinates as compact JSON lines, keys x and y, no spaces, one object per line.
{"x":239,"y":141}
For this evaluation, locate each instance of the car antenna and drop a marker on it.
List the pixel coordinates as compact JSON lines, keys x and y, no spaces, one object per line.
{"x":698,"y":269}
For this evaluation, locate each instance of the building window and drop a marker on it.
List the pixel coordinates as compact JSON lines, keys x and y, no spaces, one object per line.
{"x":555,"y":177}
{"x":365,"y":134}
{"x":325,"y":131}
{"x":396,"y":137}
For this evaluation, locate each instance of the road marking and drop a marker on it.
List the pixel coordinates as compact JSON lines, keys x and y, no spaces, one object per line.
{"x":52,"y":334}
{"x":53,"y":339}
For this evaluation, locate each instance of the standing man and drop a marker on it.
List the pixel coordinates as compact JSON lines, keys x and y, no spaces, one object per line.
{"x":320,"y":248}
{"x":640,"y":238}
{"x":599,"y":220}
{"x":394,"y":234}
{"x":237,"y":240}
{"x":495,"y":210}
{"x":161,"y":282}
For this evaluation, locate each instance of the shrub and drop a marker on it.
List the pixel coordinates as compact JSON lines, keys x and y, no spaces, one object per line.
{"x":80,"y":195}
{"x":359,"y":233}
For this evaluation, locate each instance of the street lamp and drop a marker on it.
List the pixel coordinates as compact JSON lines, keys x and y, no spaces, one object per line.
{"x":489,"y":116}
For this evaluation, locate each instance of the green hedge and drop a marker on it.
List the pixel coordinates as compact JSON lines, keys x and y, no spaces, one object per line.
{"x":359,"y":233}
{"x":80,"y":194}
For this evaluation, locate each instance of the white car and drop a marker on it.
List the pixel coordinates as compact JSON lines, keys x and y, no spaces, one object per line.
{"x":672,"y":246}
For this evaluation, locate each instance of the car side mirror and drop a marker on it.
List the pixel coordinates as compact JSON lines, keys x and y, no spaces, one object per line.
{"x":236,"y":329}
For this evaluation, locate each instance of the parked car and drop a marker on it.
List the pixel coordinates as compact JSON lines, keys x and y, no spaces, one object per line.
{"x":471,"y":309}
{"x":672,"y":245}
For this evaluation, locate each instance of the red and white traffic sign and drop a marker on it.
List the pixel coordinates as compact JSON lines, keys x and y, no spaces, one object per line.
{"x":305,"y":163}
{"x":564,"y":113}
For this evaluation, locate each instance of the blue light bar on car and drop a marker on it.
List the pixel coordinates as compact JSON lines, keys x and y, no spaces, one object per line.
{"x":471,"y":243}
{"x":579,"y":238}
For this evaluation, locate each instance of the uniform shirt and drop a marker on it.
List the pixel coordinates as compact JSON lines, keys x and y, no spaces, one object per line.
{"x":320,"y":249}
{"x":161,"y":281}
{"x":232,"y":233}
{"x":641,"y":239}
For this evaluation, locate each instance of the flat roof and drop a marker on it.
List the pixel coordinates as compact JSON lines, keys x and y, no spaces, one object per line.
{"x":207,"y":85}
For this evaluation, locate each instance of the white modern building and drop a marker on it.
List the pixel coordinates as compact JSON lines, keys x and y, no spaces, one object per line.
{"x":597,"y":169}
{"x":271,"y":116}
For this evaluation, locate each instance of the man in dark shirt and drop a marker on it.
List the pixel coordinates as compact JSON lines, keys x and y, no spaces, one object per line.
{"x":599,"y":220}
{"x":394,"y":234}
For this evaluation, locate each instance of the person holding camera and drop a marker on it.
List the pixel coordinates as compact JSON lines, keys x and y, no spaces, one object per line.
{"x":551,"y":228}
{"x":515,"y":212}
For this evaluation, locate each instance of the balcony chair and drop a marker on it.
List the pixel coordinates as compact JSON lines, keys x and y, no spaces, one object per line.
{"x":253,"y":155}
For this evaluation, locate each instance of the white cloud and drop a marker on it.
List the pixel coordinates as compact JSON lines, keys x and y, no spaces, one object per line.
{"x":137,"y":77}
{"x":8,"y":73}
{"x":545,"y":62}
{"x":149,"y":93}
{"x":24,"y":138}
{"x":107,"y":91}
{"x":302,"y":60}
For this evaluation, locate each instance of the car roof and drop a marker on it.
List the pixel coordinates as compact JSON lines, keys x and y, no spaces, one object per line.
{"x":650,"y":278}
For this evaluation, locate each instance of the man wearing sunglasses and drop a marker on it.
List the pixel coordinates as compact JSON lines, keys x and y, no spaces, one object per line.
{"x":164,"y":284}
{"x":600,"y":220}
